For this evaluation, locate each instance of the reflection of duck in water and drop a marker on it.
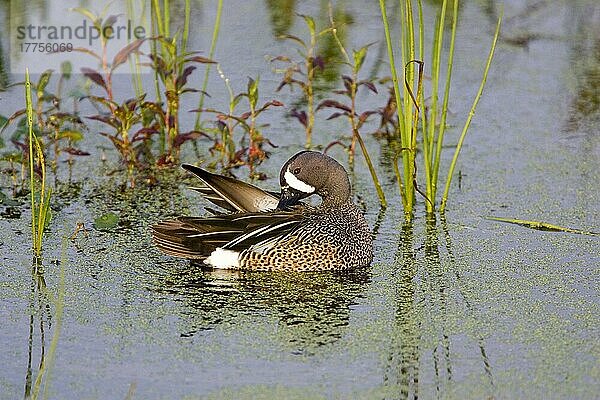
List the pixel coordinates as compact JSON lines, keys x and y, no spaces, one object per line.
{"x":263,"y":233}
{"x":311,"y":309}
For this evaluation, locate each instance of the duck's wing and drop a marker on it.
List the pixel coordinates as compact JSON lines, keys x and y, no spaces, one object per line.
{"x":276,"y":226}
{"x":196,"y":238}
{"x":232,"y":194}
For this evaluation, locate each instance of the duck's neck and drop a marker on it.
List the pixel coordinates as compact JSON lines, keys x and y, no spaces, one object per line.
{"x":336,"y":194}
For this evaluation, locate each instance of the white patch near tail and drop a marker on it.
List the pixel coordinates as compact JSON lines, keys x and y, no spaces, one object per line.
{"x":223,"y":259}
{"x":297,"y":183}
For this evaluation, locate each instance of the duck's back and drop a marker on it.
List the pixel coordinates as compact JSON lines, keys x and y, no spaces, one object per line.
{"x":327,"y":239}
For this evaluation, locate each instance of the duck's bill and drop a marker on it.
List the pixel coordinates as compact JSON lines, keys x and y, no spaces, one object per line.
{"x":289,"y":197}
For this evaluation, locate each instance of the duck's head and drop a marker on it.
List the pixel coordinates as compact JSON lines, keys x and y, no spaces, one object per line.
{"x":310,"y":172}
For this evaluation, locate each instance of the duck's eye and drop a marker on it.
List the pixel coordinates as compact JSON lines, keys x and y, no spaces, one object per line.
{"x":296,"y":171}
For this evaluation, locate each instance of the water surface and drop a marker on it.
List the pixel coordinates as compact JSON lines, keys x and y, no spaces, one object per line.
{"x":461,"y":307}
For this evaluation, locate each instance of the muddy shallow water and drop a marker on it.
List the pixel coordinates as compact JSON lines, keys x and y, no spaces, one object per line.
{"x":461,"y":307}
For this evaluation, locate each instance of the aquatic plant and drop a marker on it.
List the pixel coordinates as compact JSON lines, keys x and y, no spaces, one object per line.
{"x":211,"y":52}
{"x":53,"y":126}
{"x":40,"y":204}
{"x":543,"y":226}
{"x":103,"y":23}
{"x":122,"y":118}
{"x":228,"y":122}
{"x":411,"y":107}
{"x":170,"y":62}
{"x":173,"y":69}
{"x":302,"y":74}
{"x":351,"y":85}
{"x":470,"y":116}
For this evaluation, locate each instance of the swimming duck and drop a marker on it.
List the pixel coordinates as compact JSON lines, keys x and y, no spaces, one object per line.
{"x":274,"y":231}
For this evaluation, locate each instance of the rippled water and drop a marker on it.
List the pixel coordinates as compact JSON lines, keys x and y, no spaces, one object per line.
{"x":456,"y":308}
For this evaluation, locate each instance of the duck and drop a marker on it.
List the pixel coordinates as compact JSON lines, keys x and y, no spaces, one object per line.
{"x":266,"y":231}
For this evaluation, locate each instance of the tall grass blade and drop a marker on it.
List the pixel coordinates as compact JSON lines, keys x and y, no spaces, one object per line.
{"x":363,"y":148}
{"x":40,"y":211}
{"x":470,"y":117}
{"x":213,"y":45}
{"x":435,"y":73}
{"x":157,"y":30}
{"x":29,"y":105}
{"x":186,"y":27}
{"x":442,"y":125}
{"x":396,"y":87}
{"x":134,"y":67}
{"x":406,"y":131}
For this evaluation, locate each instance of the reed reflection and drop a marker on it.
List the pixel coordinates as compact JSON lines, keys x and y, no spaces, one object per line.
{"x":428,"y":285}
{"x":40,"y":317}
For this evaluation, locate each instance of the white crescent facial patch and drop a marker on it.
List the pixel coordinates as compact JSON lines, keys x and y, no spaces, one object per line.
{"x":297,"y":183}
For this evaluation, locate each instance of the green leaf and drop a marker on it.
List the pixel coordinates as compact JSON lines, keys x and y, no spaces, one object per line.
{"x":236,"y":100}
{"x":43,"y":82}
{"x":66,"y":69}
{"x":71,"y":135}
{"x":106,"y":221}
{"x":294,"y":38}
{"x":542,"y":226}
{"x":310,"y":23}
{"x":325,"y":31}
{"x":359,"y":57}
{"x":253,"y":92}
{"x":85,"y":12}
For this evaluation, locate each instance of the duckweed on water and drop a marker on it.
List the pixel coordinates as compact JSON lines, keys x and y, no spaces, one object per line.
{"x":468,"y":309}
{"x":106,"y":222}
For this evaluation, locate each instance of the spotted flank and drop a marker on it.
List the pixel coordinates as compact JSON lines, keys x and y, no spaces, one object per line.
{"x":266,"y":231}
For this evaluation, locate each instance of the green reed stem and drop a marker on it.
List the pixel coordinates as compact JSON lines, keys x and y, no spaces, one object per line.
{"x":396,"y":84}
{"x":442,"y":125}
{"x":399,"y":177}
{"x":186,"y":26}
{"x":157,"y":17}
{"x":157,"y":30}
{"x":134,"y":67}
{"x":390,"y":50}
{"x":363,"y":148}
{"x":39,"y":212}
{"x":421,"y":31}
{"x":435,"y":74}
{"x":211,"y":53}
{"x":167,"y":19}
{"x":355,"y":132}
{"x":406,"y":133}
{"x":470,"y":117}
{"x":29,"y":105}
